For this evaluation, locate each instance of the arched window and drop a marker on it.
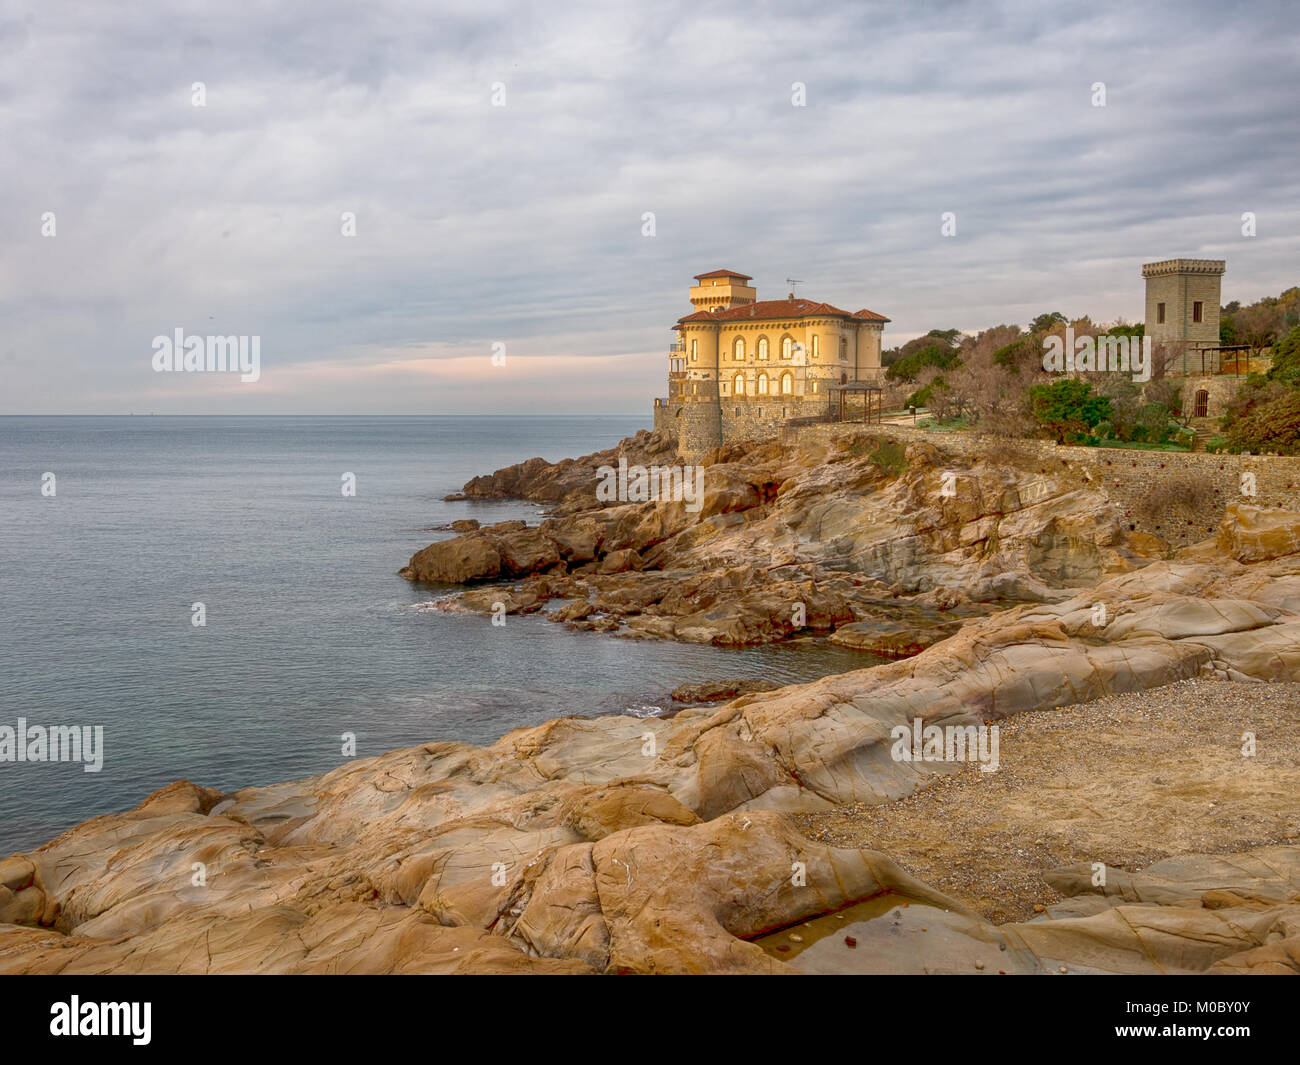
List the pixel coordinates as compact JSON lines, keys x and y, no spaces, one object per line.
{"x":695,"y":350}
{"x":740,"y":348}
{"x":814,"y":385}
{"x":844,"y":378}
{"x":844,"y":348}
{"x":816,"y":352}
{"x":762,"y":347}
{"x":762,"y":384}
{"x":738,"y":384}
{"x":787,"y":383}
{"x":787,"y":347}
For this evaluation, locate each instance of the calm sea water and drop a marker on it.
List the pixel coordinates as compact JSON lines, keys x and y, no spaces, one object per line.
{"x":310,"y":632}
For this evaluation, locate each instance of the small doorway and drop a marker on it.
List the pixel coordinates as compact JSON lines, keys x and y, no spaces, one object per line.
{"x":1202,"y":403}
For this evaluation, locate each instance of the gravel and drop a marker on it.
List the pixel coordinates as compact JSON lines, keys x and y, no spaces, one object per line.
{"x":1126,"y":780}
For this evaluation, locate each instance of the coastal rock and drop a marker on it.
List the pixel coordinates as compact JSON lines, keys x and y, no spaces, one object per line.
{"x":625,"y":844}
{"x":888,"y":639}
{"x":457,"y":561}
{"x":827,"y":513}
{"x":620,"y":561}
{"x":574,"y":611}
{"x":527,"y":551}
{"x":719,"y":690}
{"x":1252,"y":534}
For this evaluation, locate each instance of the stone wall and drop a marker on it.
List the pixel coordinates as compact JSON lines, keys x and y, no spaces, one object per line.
{"x":699,"y":425}
{"x":693,"y":424}
{"x":1178,"y":496}
{"x":1222,"y":390}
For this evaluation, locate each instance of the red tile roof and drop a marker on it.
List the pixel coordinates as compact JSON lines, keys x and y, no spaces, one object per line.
{"x":767,"y":309}
{"x":723,"y":273}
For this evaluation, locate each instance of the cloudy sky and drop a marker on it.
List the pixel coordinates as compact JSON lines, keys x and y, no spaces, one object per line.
{"x":523,"y":224}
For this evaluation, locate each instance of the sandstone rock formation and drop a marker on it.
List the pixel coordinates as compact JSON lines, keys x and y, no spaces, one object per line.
{"x":623,"y":844}
{"x":815,"y":537}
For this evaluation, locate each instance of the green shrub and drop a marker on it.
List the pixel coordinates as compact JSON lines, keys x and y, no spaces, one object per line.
{"x":1103,"y":430}
{"x":890,"y":458}
{"x":1067,"y":408}
{"x":1286,"y":359}
{"x":1273,"y":427}
{"x":909,"y":367}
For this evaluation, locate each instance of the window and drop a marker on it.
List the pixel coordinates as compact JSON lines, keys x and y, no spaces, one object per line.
{"x":816,"y":346}
{"x":695,"y":388}
{"x":1160,"y":313}
{"x":814,"y":385}
{"x":695,"y":350}
{"x":1197,"y":310}
{"x":762,"y":384}
{"x":738,"y":384}
{"x":762,"y":347}
{"x":787,"y":383}
{"x":787,"y":347}
{"x":740,"y":348}
{"x":844,"y":348}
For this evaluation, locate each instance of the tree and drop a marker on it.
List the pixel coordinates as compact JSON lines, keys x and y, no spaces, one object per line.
{"x":908,"y":367}
{"x":1257,"y":325}
{"x":1025,"y":352}
{"x":1068,"y":408}
{"x":1255,"y":393}
{"x":1125,"y":397}
{"x":996,"y":367}
{"x":1168,"y":394}
{"x":1286,"y":359}
{"x":1044,"y":322}
{"x":1273,"y":427}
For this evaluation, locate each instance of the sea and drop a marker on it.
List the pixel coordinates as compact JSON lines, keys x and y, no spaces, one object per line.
{"x":119,"y":534}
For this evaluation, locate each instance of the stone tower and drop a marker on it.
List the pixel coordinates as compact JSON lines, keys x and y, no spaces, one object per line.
{"x":1183,"y":306}
{"x":720,"y":290}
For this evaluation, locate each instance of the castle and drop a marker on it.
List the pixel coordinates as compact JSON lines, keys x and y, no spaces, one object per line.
{"x":741,"y":367}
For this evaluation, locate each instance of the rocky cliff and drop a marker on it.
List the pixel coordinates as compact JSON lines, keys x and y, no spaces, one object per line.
{"x":886,"y":545}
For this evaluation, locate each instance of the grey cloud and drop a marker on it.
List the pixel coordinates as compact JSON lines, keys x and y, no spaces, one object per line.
{"x":522,"y":223}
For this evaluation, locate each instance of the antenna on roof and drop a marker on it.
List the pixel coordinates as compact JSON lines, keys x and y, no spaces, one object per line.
{"x":792,"y":281}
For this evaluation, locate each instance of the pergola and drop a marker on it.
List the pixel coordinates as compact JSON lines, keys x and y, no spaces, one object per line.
{"x":872,"y":405}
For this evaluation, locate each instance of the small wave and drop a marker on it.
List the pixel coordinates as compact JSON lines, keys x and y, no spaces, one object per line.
{"x":439,"y":602}
{"x":644,"y":710}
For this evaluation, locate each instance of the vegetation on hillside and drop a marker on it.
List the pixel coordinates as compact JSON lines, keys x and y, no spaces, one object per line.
{"x":994,"y":381}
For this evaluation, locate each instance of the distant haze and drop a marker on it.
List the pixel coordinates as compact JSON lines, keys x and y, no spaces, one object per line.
{"x":523,"y":224}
